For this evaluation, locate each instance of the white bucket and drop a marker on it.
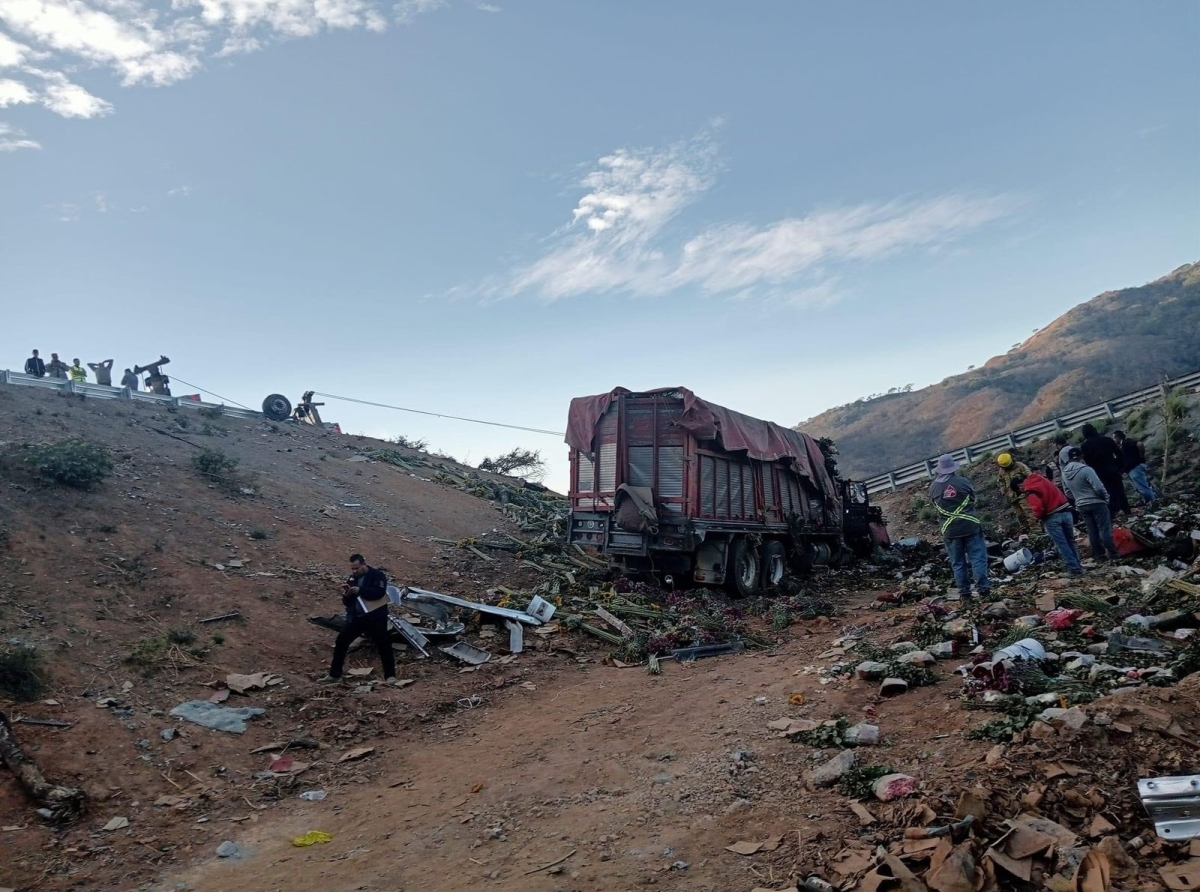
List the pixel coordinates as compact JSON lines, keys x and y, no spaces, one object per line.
{"x":1025,"y":649}
{"x":1018,"y":560}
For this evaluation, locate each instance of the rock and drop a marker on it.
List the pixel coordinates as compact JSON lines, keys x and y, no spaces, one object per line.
{"x":1042,"y":731}
{"x":995,"y":755}
{"x":228,"y":849}
{"x":999,"y":609}
{"x":869,"y":670}
{"x":663,"y":778}
{"x":831,"y":772}
{"x":1138,"y":620}
{"x":959,"y":628}
{"x":1072,"y":719}
{"x":680,"y":865}
{"x":1080,"y":662}
{"x":862,"y":734}
{"x":1101,"y":648}
{"x":168,"y":733}
{"x":917,"y":658}
{"x":902,"y":647}
{"x":1049,"y":715}
{"x":893,"y":786}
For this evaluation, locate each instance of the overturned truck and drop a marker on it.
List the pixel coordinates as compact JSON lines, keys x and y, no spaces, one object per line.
{"x":666,"y":483}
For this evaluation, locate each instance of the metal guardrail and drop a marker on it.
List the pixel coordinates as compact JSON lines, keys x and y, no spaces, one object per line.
{"x":923,"y":470}
{"x":104,"y":392}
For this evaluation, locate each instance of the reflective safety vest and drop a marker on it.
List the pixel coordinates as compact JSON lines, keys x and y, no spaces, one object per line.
{"x":77,"y":373}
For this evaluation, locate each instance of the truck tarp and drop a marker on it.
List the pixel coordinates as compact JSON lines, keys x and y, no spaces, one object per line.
{"x":760,"y":440}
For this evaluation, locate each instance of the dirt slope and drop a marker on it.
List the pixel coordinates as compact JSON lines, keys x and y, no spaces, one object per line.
{"x":1112,"y":344}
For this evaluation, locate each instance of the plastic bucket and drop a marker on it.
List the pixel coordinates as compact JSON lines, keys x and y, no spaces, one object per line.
{"x":1025,"y":649}
{"x":1018,"y":560}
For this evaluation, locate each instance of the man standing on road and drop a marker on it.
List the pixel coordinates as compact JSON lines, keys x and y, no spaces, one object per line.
{"x":102,"y":371}
{"x":1133,"y":463}
{"x":34,"y":366}
{"x":366,"y":599}
{"x":1010,"y":469}
{"x":130,"y":380}
{"x":954,"y":498}
{"x":77,"y":372}
{"x":1102,"y":456}
{"x":56,"y":368}
{"x":1091,"y":501}
{"x":1051,"y":507}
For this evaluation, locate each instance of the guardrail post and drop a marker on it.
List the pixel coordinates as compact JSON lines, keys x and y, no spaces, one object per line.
{"x":967,"y":454}
{"x":892,"y":481}
{"x":1109,"y":409}
{"x":4,"y":379}
{"x":1012,"y":441}
{"x":1165,"y":388}
{"x":929,"y":469}
{"x":70,"y":387}
{"x":126,"y":394}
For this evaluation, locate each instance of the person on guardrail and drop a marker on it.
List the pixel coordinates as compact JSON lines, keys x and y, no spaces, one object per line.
{"x":130,"y":380}
{"x":77,"y":372}
{"x":1091,"y":501}
{"x":1103,"y":456}
{"x":102,"y":371}
{"x":366,"y":599}
{"x":35,"y":366}
{"x":954,"y":498}
{"x":1133,"y":462}
{"x":56,"y":368}
{"x":1009,"y":469}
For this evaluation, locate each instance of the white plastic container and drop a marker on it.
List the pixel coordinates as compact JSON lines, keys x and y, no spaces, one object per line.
{"x":1018,"y":560}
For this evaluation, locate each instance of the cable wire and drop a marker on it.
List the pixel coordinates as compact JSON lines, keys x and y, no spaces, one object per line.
{"x":516,"y":427}
{"x":209,"y":392}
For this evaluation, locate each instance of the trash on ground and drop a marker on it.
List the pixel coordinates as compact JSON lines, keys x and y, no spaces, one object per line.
{"x":219,"y":718}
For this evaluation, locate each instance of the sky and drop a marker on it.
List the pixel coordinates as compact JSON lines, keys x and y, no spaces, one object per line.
{"x":485,"y":209}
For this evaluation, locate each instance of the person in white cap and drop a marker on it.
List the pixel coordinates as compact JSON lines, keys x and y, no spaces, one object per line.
{"x":954,"y":498}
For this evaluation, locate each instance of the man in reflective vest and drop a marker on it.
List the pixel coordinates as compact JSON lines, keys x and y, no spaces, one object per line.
{"x":954,"y":498}
{"x":77,"y":372}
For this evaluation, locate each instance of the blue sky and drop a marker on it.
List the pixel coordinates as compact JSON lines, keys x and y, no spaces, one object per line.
{"x":485,"y":209}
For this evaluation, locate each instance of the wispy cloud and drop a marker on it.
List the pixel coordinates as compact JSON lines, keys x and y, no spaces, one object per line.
{"x":179,"y":192}
{"x":13,"y":139}
{"x":100,"y":201}
{"x":624,"y":235}
{"x":64,"y":212}
{"x":489,"y":7}
{"x":142,"y":42}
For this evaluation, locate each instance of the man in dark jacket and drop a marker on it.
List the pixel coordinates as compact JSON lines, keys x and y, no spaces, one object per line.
{"x":35,"y":366}
{"x":366,"y":599}
{"x":1104,"y":457}
{"x":1049,"y":505}
{"x":1133,"y":463}
{"x":962,"y":530}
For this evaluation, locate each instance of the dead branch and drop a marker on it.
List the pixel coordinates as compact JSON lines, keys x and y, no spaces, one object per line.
{"x":64,"y":803}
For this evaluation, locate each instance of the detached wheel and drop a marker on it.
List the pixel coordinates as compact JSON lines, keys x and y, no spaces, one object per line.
{"x":774,"y":564}
{"x":277,"y":407}
{"x":744,"y":568}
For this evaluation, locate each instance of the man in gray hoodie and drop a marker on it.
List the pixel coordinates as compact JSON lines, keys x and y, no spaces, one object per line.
{"x":1091,"y":501}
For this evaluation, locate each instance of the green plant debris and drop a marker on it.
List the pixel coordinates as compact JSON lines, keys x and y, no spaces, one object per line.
{"x":826,"y":736}
{"x":857,"y":782}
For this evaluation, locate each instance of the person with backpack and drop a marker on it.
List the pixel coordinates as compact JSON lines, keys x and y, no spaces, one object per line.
{"x":962,"y":531}
{"x":1049,"y":505}
{"x":366,"y":599}
{"x":1091,"y":501}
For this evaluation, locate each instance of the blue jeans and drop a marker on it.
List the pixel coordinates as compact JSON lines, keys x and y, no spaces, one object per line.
{"x":973,"y":550}
{"x":1141,"y":482}
{"x":1099,"y":529}
{"x":1061,"y":531}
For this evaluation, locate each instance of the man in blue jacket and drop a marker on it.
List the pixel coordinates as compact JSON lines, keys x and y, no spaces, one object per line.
{"x":366,"y":599}
{"x":962,"y":530}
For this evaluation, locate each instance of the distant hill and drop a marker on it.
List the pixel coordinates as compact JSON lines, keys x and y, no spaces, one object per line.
{"x":1114,"y":343}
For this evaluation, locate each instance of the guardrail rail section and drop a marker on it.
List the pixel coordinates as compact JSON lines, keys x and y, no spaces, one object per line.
{"x":105,"y":392}
{"x":898,"y":478}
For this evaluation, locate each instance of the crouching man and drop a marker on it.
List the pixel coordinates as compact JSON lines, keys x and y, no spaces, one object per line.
{"x":366,"y":600}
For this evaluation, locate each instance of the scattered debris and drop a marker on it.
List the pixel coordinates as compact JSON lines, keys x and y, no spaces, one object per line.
{"x":312,"y":838}
{"x":219,"y":718}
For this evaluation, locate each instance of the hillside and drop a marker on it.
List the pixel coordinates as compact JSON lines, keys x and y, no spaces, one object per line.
{"x":1114,"y":343}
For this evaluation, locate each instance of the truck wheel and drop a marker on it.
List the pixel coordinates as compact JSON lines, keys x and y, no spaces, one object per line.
{"x":744,"y":568}
{"x":277,"y":407}
{"x":774,"y":564}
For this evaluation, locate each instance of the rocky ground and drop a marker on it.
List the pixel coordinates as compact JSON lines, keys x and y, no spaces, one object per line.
{"x":555,"y":768}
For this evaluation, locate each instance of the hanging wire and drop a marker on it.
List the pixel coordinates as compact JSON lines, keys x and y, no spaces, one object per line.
{"x":223,"y":399}
{"x":517,"y":427}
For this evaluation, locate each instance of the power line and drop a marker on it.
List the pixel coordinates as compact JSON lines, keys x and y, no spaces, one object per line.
{"x":224,"y":399}
{"x":516,"y":427}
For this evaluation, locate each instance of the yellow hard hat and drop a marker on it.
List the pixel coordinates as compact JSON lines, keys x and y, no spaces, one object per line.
{"x":1004,"y":460}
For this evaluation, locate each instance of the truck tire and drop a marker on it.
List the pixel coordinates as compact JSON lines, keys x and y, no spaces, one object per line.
{"x":277,"y":407}
{"x":744,"y":570}
{"x":774,"y":564}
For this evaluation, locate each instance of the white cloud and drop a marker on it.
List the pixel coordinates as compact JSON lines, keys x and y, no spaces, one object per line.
{"x":66,"y":212}
{"x":101,"y":202}
{"x":141,"y":42}
{"x":13,"y":139}
{"x":488,"y":7}
{"x":624,"y":236}
{"x":407,"y":10}
{"x":179,"y":192}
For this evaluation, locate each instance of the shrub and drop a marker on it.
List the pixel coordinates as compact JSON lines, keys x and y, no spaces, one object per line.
{"x":214,"y":464}
{"x":77,"y":463}
{"x":522,"y":462}
{"x":258,"y":534}
{"x":408,"y":443}
{"x":181,"y":636}
{"x":21,"y":674}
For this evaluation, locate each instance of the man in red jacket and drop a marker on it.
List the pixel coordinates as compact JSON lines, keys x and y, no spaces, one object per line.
{"x":1048,"y":504}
